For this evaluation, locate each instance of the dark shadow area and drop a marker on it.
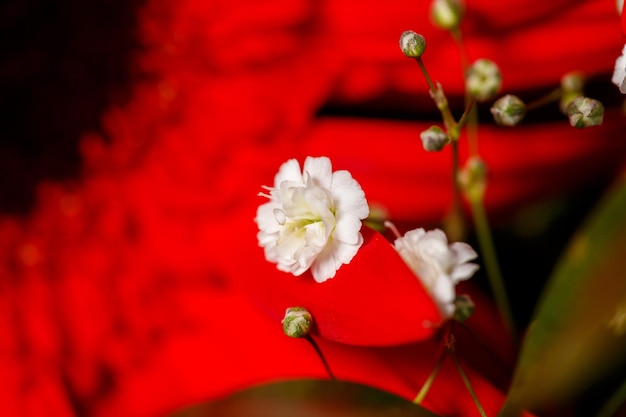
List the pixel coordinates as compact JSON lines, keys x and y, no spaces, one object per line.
{"x":62,"y":62}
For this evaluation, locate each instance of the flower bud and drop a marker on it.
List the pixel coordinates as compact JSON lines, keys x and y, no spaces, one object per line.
{"x":573,"y":82}
{"x":508,"y":110}
{"x":463,"y":307}
{"x":473,"y":178}
{"x":446,"y":14}
{"x":412,"y":44}
{"x":433,"y":139}
{"x":585,"y":112}
{"x":572,"y":85}
{"x":297,"y":322}
{"x":483,"y":79}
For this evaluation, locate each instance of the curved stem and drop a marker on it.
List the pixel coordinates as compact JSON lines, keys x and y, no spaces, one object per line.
{"x":468,"y":384}
{"x":309,"y":339}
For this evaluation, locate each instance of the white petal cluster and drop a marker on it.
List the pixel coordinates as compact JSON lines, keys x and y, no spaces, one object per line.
{"x":619,"y":73}
{"x":312,"y":219}
{"x":439,"y":265}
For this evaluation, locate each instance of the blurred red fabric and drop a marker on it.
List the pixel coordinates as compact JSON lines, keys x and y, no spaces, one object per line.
{"x":140,"y":289}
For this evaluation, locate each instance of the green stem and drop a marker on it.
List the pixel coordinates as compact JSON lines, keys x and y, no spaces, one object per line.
{"x":321,"y":355}
{"x":429,"y":382}
{"x":440,"y":100}
{"x":553,"y":95}
{"x":613,"y":404}
{"x":490,"y":261}
{"x":468,"y":384}
{"x":458,"y":39}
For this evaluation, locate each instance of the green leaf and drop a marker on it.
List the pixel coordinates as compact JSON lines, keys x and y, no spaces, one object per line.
{"x":308,"y":398}
{"x":579,"y":329}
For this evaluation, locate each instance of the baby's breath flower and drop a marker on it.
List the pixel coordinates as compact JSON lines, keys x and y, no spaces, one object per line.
{"x":508,"y":110}
{"x":585,"y":112}
{"x":483,"y":79}
{"x":433,"y":139}
{"x":297,"y":322}
{"x":619,"y":73}
{"x":312,"y":219}
{"x":446,"y":14}
{"x":412,"y":44}
{"x":439,"y":265}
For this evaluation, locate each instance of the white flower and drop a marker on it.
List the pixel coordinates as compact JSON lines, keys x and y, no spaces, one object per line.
{"x":312,"y":219}
{"x":619,"y":73}
{"x":439,"y":265}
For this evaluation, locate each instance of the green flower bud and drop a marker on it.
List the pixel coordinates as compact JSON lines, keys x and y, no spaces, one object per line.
{"x":508,"y":110}
{"x":483,"y":80}
{"x":572,"y":85}
{"x":297,"y":322}
{"x":585,"y":112}
{"x":434,"y":139}
{"x":412,"y":44}
{"x":464,"y":307}
{"x":573,"y":82}
{"x":446,"y":14}
{"x":473,"y":178}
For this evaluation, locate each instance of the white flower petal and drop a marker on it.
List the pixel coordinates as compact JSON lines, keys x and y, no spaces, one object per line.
{"x":320,"y":170}
{"x":347,"y":229}
{"x":463,"y":252}
{"x":289,"y":171}
{"x":463,"y":272}
{"x":349,"y":196}
{"x":619,"y":72}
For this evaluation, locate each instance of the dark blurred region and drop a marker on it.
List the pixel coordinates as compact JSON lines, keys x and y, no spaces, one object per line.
{"x":61,"y":63}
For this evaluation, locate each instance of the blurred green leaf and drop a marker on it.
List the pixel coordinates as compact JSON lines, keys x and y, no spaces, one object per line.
{"x":308,"y":398}
{"x":579,"y":329}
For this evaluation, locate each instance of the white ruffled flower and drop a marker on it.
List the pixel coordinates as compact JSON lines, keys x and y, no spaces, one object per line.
{"x":619,"y":73}
{"x":312,"y":219}
{"x":439,"y":265}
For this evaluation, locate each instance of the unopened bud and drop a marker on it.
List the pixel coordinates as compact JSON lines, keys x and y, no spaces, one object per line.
{"x":473,"y":178}
{"x":585,"y":112}
{"x":483,"y":80}
{"x":508,"y":110}
{"x":573,"y":82}
{"x":464,"y":308}
{"x":446,"y":14}
{"x":433,"y":139}
{"x":412,"y":44}
{"x":297,"y":322}
{"x":572,"y":85}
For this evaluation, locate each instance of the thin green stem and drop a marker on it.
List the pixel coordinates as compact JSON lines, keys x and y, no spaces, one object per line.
{"x":321,"y":355}
{"x":455,"y":221}
{"x":553,"y":95}
{"x":440,"y":100}
{"x":470,"y":107}
{"x":458,"y":38}
{"x":429,"y":382}
{"x":429,"y":80}
{"x":490,"y":260}
{"x":614,"y":403}
{"x":468,"y":384}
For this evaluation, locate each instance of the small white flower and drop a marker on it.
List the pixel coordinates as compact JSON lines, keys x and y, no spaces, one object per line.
{"x":439,"y":265}
{"x":619,"y":73}
{"x":312,"y":219}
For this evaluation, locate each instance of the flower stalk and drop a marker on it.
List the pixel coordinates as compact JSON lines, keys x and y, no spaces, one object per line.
{"x":490,"y":261}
